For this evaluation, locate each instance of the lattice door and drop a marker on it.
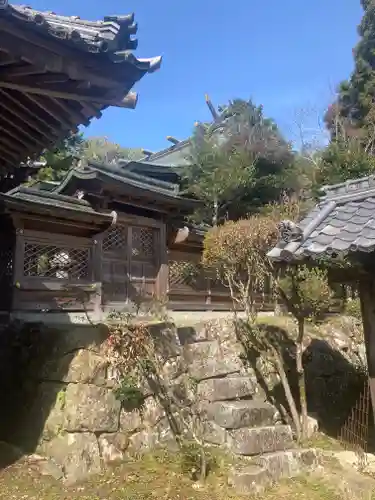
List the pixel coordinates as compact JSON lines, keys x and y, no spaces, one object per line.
{"x":129,"y":263}
{"x":115,"y":265}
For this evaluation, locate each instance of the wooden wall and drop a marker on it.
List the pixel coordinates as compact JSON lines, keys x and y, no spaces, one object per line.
{"x":126,"y":265}
{"x":191,"y":289}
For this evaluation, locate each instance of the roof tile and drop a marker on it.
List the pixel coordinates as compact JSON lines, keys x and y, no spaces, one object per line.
{"x":348,"y":224}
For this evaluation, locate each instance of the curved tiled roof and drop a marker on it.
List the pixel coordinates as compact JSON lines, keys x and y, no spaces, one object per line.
{"x":57,"y":73}
{"x":112,"y":36}
{"x":341,"y":224}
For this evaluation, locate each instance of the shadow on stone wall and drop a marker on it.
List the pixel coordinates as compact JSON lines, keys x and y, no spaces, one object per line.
{"x":35,"y":368}
{"x":334,"y":380}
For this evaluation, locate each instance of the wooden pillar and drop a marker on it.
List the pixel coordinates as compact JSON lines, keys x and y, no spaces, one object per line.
{"x":97,"y":273}
{"x":162,"y":277}
{"x":367,"y":298}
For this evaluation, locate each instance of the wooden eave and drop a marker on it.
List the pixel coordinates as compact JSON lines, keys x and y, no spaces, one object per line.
{"x":127,"y":188}
{"x":57,"y":73}
{"x":29,"y":203}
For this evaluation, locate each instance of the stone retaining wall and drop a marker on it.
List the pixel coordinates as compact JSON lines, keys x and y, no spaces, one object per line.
{"x":58,"y":395}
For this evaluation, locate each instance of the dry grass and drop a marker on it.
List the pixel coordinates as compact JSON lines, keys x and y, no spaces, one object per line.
{"x":151,"y":477}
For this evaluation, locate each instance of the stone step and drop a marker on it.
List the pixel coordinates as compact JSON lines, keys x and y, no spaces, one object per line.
{"x":239,"y":414}
{"x":224,"y":389}
{"x":250,"y":479}
{"x":260,"y":440}
{"x":286,"y":464}
{"x":264,"y":471}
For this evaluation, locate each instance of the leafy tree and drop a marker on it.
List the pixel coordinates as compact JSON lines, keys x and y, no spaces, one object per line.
{"x":307,"y":295}
{"x":60,"y":159}
{"x":239,"y":163}
{"x":342,"y":160}
{"x":215,"y":176}
{"x":236,"y":252}
{"x":102,"y":150}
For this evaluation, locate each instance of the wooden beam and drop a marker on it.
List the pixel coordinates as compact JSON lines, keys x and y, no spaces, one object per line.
{"x":73,"y":114}
{"x":27,"y":107}
{"x":129,"y":101}
{"x":18,"y":71}
{"x":4,"y":145}
{"x":24,"y":142}
{"x":21,"y":129}
{"x":6,"y":158}
{"x":58,"y":56}
{"x":49,"y":107}
{"x":6,"y":103}
{"x":91,"y":109}
{"x":367,"y":298}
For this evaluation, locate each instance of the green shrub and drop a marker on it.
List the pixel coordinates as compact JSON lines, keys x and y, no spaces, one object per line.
{"x":191,"y":460}
{"x":353,"y":308}
{"x":129,"y":394}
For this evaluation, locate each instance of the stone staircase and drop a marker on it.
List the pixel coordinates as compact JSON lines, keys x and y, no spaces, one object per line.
{"x":237,"y":417}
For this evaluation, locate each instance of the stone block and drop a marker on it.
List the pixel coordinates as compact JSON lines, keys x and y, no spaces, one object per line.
{"x":192,"y":334}
{"x":142,"y":442}
{"x":90,"y":408}
{"x":260,"y":440}
{"x":288,"y":464}
{"x":48,"y":408}
{"x":84,"y":366}
{"x":210,"y":359}
{"x":174,"y":368}
{"x":166,"y":341}
{"x":239,"y":414}
{"x":214,"y":434}
{"x":222,"y":389}
{"x":130,"y":421}
{"x":78,"y":454}
{"x":113,"y":446}
{"x":152,"y":412}
{"x":249,"y":480}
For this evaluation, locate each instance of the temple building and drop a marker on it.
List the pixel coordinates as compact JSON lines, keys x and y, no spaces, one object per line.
{"x":107,"y":237}
{"x":57,"y":73}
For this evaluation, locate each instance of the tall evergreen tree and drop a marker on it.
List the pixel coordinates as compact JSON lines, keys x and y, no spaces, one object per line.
{"x":239,"y":163}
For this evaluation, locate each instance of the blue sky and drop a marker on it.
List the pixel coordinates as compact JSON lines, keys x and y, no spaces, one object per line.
{"x":285,"y":55}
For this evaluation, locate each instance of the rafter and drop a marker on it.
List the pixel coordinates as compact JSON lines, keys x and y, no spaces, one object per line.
{"x":23,"y":113}
{"x":129,"y":101}
{"x":31,"y":106}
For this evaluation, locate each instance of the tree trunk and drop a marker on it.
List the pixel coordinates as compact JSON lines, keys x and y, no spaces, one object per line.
{"x":301,"y":376}
{"x":215,"y":215}
{"x":288,"y":393}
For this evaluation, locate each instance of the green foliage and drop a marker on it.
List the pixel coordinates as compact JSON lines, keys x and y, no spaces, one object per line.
{"x":342,"y":160}
{"x":190,"y":461}
{"x":353,"y":308}
{"x":61,"y":158}
{"x":129,"y":394}
{"x":237,"y":253}
{"x":238,"y":164}
{"x":100,"y":149}
{"x":353,"y":115}
{"x":306,"y":291}
{"x":61,"y":398}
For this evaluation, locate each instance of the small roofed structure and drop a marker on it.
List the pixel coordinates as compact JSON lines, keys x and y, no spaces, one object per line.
{"x":105,"y":238}
{"x":59,"y":72}
{"x":341,"y":225}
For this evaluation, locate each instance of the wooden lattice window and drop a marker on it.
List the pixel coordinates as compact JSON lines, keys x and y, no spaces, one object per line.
{"x":6,"y":264}
{"x":143,"y":243}
{"x":115,"y":239}
{"x":49,"y":261}
{"x":186,"y":274}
